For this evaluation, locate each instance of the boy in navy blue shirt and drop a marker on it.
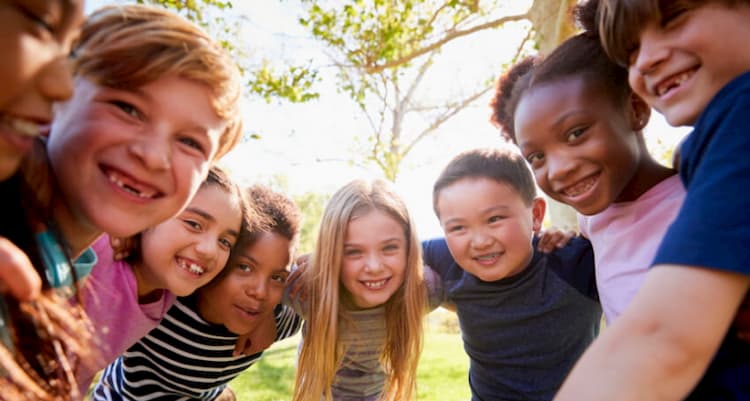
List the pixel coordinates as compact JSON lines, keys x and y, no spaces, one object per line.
{"x":690,"y":60}
{"x":525,"y":316}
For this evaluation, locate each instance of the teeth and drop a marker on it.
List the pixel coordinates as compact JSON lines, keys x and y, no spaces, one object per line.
{"x":375,"y":284}
{"x":23,"y":127}
{"x":486,"y":257}
{"x":192,"y":267}
{"x":580,"y":187}
{"x":677,"y":81}
{"x":115,"y":179}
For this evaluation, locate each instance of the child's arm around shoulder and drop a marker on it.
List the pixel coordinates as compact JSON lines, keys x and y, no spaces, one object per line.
{"x":660,"y":346}
{"x":574,"y":263}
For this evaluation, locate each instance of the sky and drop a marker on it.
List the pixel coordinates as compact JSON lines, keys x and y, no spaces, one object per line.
{"x":310,"y":144}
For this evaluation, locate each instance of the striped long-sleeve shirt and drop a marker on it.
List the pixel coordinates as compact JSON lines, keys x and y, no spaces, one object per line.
{"x":184,"y":358}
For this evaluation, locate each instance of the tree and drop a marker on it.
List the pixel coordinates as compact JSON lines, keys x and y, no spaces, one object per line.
{"x":383,"y":49}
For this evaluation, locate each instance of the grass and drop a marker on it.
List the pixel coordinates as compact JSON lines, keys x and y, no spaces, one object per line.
{"x":441,"y":374}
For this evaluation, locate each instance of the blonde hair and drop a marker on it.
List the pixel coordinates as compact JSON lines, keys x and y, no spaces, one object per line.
{"x":322,"y":351}
{"x":132,"y":45}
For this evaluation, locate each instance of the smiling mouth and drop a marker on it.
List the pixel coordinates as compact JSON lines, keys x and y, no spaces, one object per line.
{"x":580,"y":187}
{"x":130,"y":186}
{"x":191,"y":267}
{"x":375,"y":285}
{"x":489,"y":258}
{"x":22,"y":126}
{"x":673,"y":82}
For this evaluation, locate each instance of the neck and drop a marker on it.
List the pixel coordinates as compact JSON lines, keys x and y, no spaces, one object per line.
{"x":77,"y":233}
{"x":147,"y":292}
{"x":648,"y":174}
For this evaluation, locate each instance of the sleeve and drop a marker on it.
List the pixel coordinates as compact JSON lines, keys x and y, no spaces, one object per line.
{"x":435,"y":291}
{"x":435,"y":253}
{"x":713,"y":225}
{"x":574,"y":263}
{"x":288,"y":322}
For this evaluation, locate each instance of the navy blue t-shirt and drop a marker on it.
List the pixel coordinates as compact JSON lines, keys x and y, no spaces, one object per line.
{"x":522,"y":333}
{"x":712,"y":229}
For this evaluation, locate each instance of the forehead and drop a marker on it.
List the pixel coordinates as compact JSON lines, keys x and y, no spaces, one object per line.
{"x":472,"y":196}
{"x":373,"y":223}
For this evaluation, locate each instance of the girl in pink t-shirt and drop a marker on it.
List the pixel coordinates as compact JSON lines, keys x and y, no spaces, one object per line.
{"x":127,"y":298}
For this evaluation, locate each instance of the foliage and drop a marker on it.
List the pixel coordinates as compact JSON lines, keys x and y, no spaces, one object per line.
{"x":291,"y":83}
{"x":312,"y":205}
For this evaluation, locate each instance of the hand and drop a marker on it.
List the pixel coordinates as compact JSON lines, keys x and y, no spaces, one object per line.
{"x":554,"y":238}
{"x":257,"y":340}
{"x":297,"y":291}
{"x":17,"y":274}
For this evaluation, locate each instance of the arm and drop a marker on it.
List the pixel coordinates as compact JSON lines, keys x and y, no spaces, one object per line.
{"x":660,"y":347}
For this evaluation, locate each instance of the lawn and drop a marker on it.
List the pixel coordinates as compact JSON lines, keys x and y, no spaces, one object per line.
{"x":441,"y":374}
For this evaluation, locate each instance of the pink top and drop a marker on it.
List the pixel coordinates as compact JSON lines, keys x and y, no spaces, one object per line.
{"x":110,"y":296}
{"x":625,"y":237}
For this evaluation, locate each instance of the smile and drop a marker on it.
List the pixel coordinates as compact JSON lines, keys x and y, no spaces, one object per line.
{"x":673,"y":82}
{"x":581,"y":186}
{"x":487,"y":259}
{"x":191,"y":267}
{"x":131,"y":186}
{"x":22,"y":126}
{"x":375,"y":285}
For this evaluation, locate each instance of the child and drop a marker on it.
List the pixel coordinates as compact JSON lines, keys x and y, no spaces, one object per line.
{"x":525,"y":316}
{"x":204,"y":327}
{"x":690,"y":61}
{"x":579,"y":126}
{"x":34,"y":41}
{"x":126,"y":299}
{"x":364,"y":301}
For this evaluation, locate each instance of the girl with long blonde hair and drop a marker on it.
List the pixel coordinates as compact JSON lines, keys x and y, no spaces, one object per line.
{"x":364,"y":301}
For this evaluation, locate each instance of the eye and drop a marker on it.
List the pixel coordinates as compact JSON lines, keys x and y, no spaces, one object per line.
{"x":352,"y":252}
{"x":280,"y":278}
{"x":193,"y":224}
{"x":39,"y":19}
{"x":192,"y":143}
{"x":127,"y":108}
{"x":226,"y":243}
{"x":671,"y":12}
{"x":456,"y":228}
{"x":391,"y":248}
{"x":495,"y":219}
{"x":535,"y":159}
{"x":245,"y":267}
{"x":575,"y":133}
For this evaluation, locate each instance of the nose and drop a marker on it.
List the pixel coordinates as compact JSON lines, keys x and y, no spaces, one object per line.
{"x":207,"y":248}
{"x":153,"y":149}
{"x":258,"y":289}
{"x":558,"y":167}
{"x":373,"y":263}
{"x":55,"y":81}
{"x":480,"y":239}
{"x":651,"y":52}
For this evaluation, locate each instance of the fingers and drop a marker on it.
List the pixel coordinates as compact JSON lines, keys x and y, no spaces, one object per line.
{"x":243,"y":343}
{"x":17,"y":274}
{"x":554,"y":238}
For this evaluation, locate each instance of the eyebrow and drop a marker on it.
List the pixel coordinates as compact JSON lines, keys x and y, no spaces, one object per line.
{"x":209,"y":217}
{"x":559,"y":121}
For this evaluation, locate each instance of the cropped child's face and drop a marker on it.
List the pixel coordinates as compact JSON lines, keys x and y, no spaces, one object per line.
{"x":684,"y":60}
{"x":188,"y":251}
{"x":129,"y":159}
{"x":374,"y":261}
{"x":582,"y":149}
{"x":35,"y":37}
{"x":252,"y":286}
{"x":488,"y":227}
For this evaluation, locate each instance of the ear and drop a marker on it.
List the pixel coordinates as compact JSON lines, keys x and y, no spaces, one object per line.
{"x":640,"y":112}
{"x":538,"y":206}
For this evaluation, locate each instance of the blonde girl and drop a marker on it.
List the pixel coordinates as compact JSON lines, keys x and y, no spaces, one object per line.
{"x":364,"y":302}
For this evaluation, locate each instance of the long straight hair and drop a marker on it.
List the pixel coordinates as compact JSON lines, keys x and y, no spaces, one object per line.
{"x":322,"y":350}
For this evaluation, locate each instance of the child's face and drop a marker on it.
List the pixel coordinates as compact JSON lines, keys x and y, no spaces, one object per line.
{"x":582,"y":149}
{"x":129,"y":159}
{"x":188,"y":251}
{"x":683,"y":61}
{"x":488,"y":227}
{"x":251,"y":287}
{"x":374,"y":261}
{"x":35,"y":37}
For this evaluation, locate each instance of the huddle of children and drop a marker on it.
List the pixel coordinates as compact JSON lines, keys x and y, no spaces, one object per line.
{"x":210,"y":262}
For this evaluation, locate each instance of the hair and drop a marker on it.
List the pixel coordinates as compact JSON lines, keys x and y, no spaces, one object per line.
{"x":274,"y":213}
{"x":49,"y":334}
{"x":322,"y":351}
{"x":621,"y":22}
{"x":129,"y":46}
{"x":500,"y":165}
{"x":219,"y":178}
{"x":579,"y":56}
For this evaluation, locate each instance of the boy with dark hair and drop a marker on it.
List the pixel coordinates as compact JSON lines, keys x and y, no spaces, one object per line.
{"x":690,"y":61}
{"x":525,"y":316}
